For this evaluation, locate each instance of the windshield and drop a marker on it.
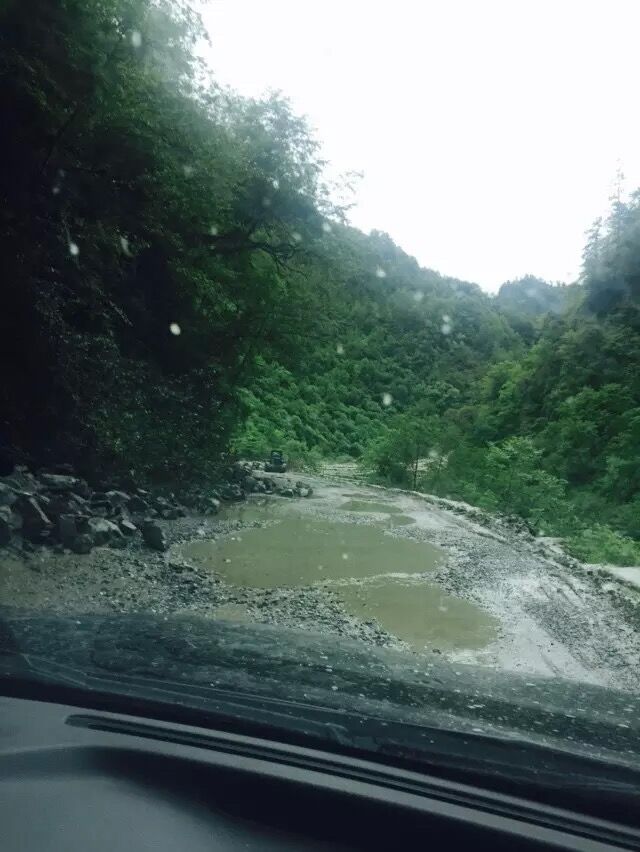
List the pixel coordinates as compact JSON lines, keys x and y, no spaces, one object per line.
{"x":321,"y":348}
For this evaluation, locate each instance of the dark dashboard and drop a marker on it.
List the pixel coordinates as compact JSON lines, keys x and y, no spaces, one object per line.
{"x":73,"y":778}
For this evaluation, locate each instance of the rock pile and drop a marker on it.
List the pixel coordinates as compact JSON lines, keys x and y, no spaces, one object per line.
{"x":62,"y":510}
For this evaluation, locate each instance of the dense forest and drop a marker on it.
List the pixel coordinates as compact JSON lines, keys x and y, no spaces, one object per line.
{"x":179,"y":283}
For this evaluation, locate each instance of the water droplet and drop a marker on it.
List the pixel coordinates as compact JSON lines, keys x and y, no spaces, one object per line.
{"x":188,"y":171}
{"x":445,"y":328}
{"x":74,"y":251}
{"x":266,"y":202}
{"x":175,"y":329}
{"x":433,"y":454}
{"x":345,"y":555}
{"x":326,"y":227}
{"x":56,"y":189}
{"x":296,"y":237}
{"x":380,"y":273}
{"x":387,"y":399}
{"x":446,"y":318}
{"x":275,"y":183}
{"x":213,"y":230}
{"x":124,"y":245}
{"x":334,"y":688}
{"x":418,"y":296}
{"x":339,"y":348}
{"x":136,"y":38}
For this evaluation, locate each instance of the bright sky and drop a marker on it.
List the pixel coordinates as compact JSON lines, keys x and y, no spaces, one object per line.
{"x":488,"y":131}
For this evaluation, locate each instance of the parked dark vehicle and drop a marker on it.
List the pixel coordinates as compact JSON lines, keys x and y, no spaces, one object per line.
{"x":276,"y":463}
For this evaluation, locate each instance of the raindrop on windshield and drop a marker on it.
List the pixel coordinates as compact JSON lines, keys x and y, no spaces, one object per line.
{"x":213,"y":230}
{"x":124,"y":245}
{"x":326,"y":227}
{"x":418,"y":296}
{"x":275,"y":183}
{"x":380,"y":273}
{"x":387,"y":399}
{"x":445,"y":328}
{"x":296,"y":237}
{"x":339,"y":348}
{"x":136,"y":38}
{"x":74,"y":251}
{"x":188,"y":171}
{"x":175,"y":329}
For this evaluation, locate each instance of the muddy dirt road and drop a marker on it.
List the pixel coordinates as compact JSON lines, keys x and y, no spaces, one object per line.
{"x":388,"y":568}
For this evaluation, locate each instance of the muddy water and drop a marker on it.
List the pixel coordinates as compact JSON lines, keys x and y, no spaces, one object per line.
{"x":377,"y":576}
{"x":421,"y":614}
{"x":298,"y":551}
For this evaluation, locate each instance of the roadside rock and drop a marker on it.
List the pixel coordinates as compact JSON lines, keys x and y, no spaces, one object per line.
{"x":22,"y":480}
{"x":68,"y":529}
{"x":7,"y":495}
{"x":153,"y":535}
{"x":128,"y":527}
{"x":303,"y":490}
{"x":172,"y":513}
{"x":35,"y":524}
{"x":232,"y":492}
{"x":137,"y":504}
{"x":211,"y":506}
{"x":251,"y":484}
{"x":82,"y":543}
{"x":5,"y":528}
{"x":117,"y":498}
{"x":58,"y":482}
{"x":103,"y":531}
{"x":66,"y":504}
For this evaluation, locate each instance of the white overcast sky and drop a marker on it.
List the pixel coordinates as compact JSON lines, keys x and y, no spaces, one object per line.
{"x":488,"y":131}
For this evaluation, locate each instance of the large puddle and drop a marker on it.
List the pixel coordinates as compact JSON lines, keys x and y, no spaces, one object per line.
{"x":421,"y":614}
{"x":378,"y":576}
{"x":301,"y":551}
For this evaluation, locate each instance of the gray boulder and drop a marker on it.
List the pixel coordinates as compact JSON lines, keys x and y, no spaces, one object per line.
{"x":172,"y":513}
{"x":35,"y":524}
{"x":22,"y":480}
{"x":211,"y":505}
{"x":128,"y":527}
{"x":5,"y":526}
{"x":137,"y":504}
{"x":117,"y":498}
{"x":232,"y":492}
{"x":153,"y":535}
{"x":103,"y":531}
{"x":66,"y":504}
{"x":251,"y":484}
{"x":82,"y":543}
{"x":240,"y":471}
{"x":8,"y":495}
{"x":68,"y":529}
{"x":58,"y":482}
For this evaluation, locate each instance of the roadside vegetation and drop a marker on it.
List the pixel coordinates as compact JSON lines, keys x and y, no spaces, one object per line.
{"x":179,"y":283}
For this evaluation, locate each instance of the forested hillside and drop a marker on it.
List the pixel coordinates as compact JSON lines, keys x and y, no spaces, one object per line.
{"x":178,"y":283}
